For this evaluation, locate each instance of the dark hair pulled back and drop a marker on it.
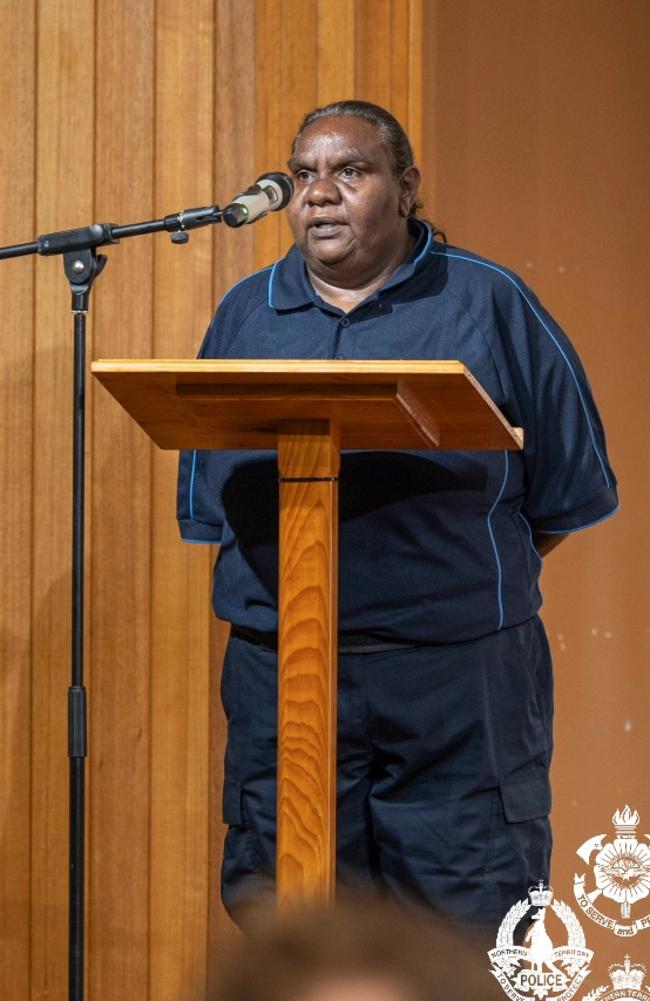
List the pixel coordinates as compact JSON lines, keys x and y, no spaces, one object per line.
{"x":393,"y":135}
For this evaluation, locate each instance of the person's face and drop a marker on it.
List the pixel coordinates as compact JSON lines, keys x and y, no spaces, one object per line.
{"x":349,"y":208}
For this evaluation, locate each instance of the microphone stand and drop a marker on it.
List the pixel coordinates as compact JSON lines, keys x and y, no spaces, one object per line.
{"x":82,"y":265}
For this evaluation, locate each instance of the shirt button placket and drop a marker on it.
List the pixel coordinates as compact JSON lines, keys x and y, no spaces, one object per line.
{"x":344,"y":322}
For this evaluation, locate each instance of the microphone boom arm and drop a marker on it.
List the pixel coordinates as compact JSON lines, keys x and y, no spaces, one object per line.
{"x":100,"y":234}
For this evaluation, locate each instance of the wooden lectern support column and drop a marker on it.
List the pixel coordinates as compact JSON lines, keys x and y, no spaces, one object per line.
{"x":308,"y":410}
{"x":308,"y":464}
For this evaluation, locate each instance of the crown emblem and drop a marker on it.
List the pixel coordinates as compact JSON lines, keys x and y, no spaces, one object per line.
{"x":627,"y":977}
{"x":625,"y":822}
{"x":540,"y":895}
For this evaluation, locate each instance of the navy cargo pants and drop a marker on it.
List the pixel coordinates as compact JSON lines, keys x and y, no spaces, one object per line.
{"x":443,"y":758}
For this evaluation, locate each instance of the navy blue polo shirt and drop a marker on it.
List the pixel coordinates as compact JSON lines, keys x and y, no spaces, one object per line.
{"x":435,"y":546}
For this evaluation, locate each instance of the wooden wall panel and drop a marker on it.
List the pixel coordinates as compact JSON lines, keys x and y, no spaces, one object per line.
{"x":16,"y":400}
{"x":64,"y":188}
{"x":335,"y":61}
{"x":268,"y":110}
{"x":374,"y":47}
{"x":298,"y":77}
{"x":235,"y":167}
{"x":236,"y":164}
{"x":120,"y":597}
{"x":180,"y":585}
{"x":139,"y":110}
{"x":414,"y":70}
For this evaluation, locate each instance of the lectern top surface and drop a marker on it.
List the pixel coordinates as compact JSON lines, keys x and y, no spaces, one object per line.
{"x":241,"y":404}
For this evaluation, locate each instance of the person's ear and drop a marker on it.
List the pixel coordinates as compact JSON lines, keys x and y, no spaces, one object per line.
{"x":409,"y":186}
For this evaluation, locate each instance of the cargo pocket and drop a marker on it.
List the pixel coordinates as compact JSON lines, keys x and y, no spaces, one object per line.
{"x":243,"y":876}
{"x":526,"y":799}
{"x":520,"y":845}
{"x":526,"y":807}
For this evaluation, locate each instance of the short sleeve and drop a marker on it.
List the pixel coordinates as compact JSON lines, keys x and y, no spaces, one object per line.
{"x":570,"y":482}
{"x":198,"y":511}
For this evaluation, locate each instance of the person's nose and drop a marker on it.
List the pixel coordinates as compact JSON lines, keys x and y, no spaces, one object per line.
{"x":323,"y":191}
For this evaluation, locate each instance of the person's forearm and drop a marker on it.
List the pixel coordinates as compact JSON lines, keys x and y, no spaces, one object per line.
{"x":544,"y":543}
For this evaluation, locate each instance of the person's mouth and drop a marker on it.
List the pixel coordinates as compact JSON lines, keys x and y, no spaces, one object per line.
{"x":324,"y":226}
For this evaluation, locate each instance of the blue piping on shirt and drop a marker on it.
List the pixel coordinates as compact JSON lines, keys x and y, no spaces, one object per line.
{"x":578,"y":528}
{"x":271,"y":277}
{"x":494,"y":545}
{"x":540,"y":319}
{"x":530,"y":536}
{"x":425,"y":249}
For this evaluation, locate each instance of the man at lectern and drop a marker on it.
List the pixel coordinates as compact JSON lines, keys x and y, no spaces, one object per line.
{"x":445,"y":689}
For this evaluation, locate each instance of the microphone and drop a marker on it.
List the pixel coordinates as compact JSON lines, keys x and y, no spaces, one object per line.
{"x":269,"y":193}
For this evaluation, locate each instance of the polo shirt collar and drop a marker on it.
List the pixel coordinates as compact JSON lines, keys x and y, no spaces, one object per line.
{"x":290,"y":288}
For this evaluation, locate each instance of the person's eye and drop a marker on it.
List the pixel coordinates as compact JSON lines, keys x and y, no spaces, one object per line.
{"x":304,"y":176}
{"x":350,"y":172}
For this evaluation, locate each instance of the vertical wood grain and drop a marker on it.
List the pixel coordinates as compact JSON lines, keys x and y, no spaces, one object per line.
{"x":414,"y":72}
{"x":299,"y":83}
{"x":235,"y":167}
{"x":399,"y":60}
{"x":308,"y":464}
{"x":120,"y":734}
{"x":134,"y":110}
{"x":64,"y":185}
{"x":373,"y":51}
{"x":299,"y":68}
{"x":180,"y":573}
{"x":17,"y":76}
{"x":388,"y":60}
{"x":268,"y":109}
{"x":427,"y":108}
{"x":236,"y":162}
{"x":336,"y":49}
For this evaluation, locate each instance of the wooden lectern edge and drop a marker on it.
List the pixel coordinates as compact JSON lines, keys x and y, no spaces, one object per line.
{"x":416,"y":413}
{"x":271,"y":365}
{"x":516,"y":433}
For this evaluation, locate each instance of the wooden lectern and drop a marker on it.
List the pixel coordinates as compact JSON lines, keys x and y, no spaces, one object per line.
{"x":308,"y":411}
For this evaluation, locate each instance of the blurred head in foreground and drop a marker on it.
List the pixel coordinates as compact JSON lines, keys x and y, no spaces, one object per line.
{"x":361,"y":950}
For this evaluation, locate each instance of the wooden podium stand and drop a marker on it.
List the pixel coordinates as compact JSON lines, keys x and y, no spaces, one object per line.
{"x":308,"y":411}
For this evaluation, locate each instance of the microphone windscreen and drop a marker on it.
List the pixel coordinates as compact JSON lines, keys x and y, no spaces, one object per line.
{"x":284,"y":183}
